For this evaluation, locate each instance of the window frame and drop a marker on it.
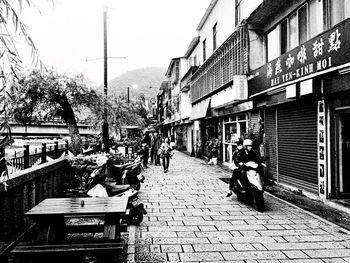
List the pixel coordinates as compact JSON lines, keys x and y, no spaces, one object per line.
{"x":204,"y":50}
{"x":214,"y":36}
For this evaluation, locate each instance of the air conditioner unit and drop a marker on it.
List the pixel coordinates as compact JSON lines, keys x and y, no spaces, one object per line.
{"x":240,"y":87}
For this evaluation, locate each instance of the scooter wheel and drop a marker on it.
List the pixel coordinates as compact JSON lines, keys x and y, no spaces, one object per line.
{"x":135,"y":217}
{"x":258,"y":200}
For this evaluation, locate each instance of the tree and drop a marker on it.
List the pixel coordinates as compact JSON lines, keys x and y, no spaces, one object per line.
{"x":42,"y":96}
{"x":10,"y":65}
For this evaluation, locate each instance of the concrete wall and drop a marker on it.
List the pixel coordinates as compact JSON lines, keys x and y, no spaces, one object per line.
{"x":223,"y":14}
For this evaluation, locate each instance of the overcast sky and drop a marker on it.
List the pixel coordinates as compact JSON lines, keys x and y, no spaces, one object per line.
{"x":146,"y":32}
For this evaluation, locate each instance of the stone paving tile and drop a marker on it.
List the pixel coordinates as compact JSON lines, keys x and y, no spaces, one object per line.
{"x":213,"y":247}
{"x":207,"y":256}
{"x":190,"y":219}
{"x":246,"y":255}
{"x":295,"y":254}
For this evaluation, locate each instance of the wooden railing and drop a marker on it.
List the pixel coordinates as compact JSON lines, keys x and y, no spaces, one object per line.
{"x":26,"y":189}
{"x":25,"y":159}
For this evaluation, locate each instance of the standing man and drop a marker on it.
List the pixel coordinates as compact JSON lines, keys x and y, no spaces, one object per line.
{"x":156,"y":146}
{"x":152,"y":147}
{"x":146,"y":141}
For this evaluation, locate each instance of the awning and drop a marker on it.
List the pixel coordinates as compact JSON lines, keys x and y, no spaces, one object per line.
{"x":200,"y":110}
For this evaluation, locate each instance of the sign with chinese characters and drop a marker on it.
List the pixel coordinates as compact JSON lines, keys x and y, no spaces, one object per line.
{"x":322,"y":153}
{"x":323,"y":52}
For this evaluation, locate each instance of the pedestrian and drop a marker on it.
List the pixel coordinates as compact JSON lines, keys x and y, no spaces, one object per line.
{"x":235,"y":172}
{"x":172,"y":142}
{"x":152,"y":147}
{"x":145,"y":142}
{"x":165,"y":150}
{"x":156,"y":146}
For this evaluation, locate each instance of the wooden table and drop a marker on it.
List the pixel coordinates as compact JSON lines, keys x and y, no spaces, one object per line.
{"x":49,"y":215}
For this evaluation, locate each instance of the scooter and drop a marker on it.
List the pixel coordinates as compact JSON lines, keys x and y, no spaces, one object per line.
{"x":252,"y":190}
{"x":115,"y":190}
{"x":132,"y":175}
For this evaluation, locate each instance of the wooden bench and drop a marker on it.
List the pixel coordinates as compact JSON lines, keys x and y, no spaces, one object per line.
{"x":31,"y":249}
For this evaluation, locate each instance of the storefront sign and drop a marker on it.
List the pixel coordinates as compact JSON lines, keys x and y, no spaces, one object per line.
{"x":318,"y":54}
{"x":235,"y":109}
{"x":321,"y":139}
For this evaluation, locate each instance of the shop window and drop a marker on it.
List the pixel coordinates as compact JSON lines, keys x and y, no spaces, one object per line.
{"x":302,"y":24}
{"x":293,"y":31}
{"x":339,"y":10}
{"x":315,"y":17}
{"x":273,"y":45}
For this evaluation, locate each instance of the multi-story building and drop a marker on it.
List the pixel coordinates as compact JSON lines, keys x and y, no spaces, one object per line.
{"x":220,"y":109}
{"x":299,"y":80}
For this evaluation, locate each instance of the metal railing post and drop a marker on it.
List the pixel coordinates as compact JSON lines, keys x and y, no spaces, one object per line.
{"x":26,"y":156}
{"x":43,"y":154}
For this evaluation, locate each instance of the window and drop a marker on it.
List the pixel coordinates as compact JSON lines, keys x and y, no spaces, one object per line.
{"x":339,"y":10}
{"x":204,"y":50}
{"x":195,"y":60}
{"x":303,"y":24}
{"x":293,"y":31}
{"x":214,"y":36}
{"x":273,"y":50}
{"x":238,"y":12}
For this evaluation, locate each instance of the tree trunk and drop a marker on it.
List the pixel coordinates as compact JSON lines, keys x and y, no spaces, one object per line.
{"x":69,"y":117}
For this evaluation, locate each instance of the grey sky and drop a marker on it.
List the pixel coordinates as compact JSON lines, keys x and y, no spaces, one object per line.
{"x":147,"y":32}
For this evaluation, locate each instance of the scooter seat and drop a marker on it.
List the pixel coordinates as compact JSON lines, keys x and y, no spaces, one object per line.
{"x":114,"y":189}
{"x":121,"y":167}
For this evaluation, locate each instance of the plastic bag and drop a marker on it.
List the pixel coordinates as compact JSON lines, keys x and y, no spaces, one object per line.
{"x":97,"y":191}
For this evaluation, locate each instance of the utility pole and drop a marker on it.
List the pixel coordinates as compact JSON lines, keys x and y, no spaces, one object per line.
{"x":105,"y":135}
{"x":128,"y":95}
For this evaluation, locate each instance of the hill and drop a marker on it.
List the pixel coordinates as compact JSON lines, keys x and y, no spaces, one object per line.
{"x":143,"y":80}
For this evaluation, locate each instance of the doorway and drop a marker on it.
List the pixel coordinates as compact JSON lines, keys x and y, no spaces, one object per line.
{"x":344,"y":154}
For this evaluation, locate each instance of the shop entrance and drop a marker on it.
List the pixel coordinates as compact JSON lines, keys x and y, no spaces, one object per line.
{"x":344,"y":154}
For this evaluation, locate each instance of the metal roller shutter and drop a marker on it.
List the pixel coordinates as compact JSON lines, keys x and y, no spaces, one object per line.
{"x":297,"y":144}
{"x":270,"y":142}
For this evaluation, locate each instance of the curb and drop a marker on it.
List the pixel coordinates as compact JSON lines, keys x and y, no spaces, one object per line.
{"x":131,"y":253}
{"x":309,"y":213}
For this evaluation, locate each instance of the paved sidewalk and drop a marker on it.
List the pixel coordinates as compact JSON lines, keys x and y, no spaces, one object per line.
{"x":190,"y":219}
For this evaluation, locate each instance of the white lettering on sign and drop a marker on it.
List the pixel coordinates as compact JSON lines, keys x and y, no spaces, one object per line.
{"x":302,"y":54}
{"x":334,"y":41}
{"x":269,"y":70}
{"x":278,"y":68}
{"x":289,"y":61}
{"x":318,"y":48}
{"x":324,"y":63}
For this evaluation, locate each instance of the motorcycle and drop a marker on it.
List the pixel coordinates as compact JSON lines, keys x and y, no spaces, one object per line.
{"x":129,"y":173}
{"x":252,"y":189}
{"x":96,"y":189}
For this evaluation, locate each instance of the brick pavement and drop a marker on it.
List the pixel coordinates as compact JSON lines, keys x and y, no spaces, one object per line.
{"x":190,"y":219}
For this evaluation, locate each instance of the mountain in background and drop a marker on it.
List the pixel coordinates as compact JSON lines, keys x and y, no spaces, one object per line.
{"x":144,"y":80}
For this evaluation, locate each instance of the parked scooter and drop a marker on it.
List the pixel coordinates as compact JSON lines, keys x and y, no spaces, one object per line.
{"x":252,"y":190}
{"x":133,"y":175}
{"x":96,"y":189}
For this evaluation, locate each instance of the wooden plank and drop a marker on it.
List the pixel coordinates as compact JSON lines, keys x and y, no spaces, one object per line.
{"x":67,"y":248}
{"x":66,"y":206}
{"x":112,"y":226}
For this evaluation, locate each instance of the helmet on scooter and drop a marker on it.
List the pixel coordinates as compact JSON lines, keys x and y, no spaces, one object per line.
{"x":247,"y":142}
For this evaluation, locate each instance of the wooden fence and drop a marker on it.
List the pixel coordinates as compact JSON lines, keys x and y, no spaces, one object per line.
{"x":26,"y":189}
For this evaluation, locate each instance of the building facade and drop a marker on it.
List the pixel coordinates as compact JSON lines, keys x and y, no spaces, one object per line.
{"x":302,"y":88}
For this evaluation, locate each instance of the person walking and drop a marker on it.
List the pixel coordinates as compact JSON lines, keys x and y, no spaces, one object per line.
{"x":156,"y":146}
{"x":165,"y":154}
{"x":145,"y":142}
{"x":152,"y":147}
